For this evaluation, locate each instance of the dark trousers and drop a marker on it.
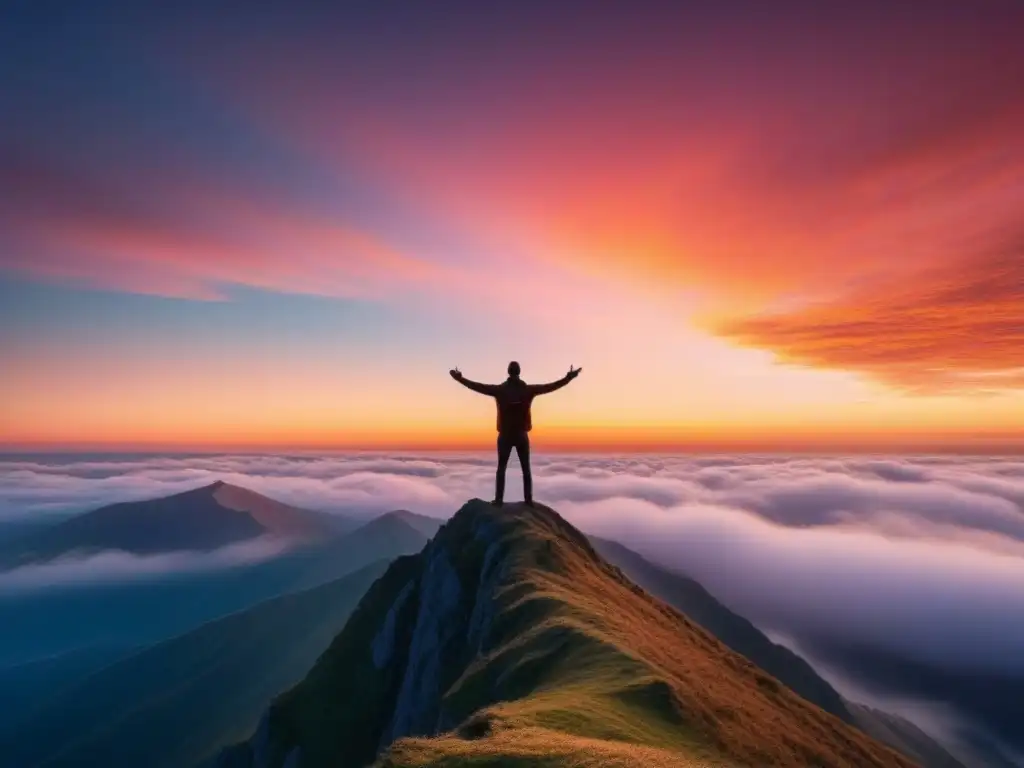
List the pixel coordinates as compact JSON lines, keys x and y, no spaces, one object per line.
{"x":521,"y":442}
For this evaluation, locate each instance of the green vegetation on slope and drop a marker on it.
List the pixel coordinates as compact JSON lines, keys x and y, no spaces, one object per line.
{"x":788,"y":668}
{"x":510,"y":641}
{"x":735,"y":631}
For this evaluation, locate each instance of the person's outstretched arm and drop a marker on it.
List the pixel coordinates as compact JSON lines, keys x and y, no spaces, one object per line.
{"x":483,"y":389}
{"x":543,"y":389}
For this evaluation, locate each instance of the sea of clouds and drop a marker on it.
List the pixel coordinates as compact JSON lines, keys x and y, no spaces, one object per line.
{"x":921,"y":557}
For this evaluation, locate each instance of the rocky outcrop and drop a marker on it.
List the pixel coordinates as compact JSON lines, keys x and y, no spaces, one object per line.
{"x":418,"y":634}
{"x":384,"y":643}
{"x":437,"y":624}
{"x":491,"y":573}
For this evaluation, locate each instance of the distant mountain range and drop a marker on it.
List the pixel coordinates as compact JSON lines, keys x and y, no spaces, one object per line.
{"x":199,"y":520}
{"x":104,"y":619}
{"x":511,"y":640}
{"x":174,"y":703}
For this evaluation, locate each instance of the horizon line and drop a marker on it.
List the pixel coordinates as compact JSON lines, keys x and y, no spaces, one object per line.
{"x":921,"y":447}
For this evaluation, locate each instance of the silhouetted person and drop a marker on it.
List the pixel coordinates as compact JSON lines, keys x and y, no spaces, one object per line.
{"x":513,"y":398}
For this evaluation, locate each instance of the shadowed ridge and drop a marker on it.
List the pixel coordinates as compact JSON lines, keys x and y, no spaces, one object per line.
{"x":509,"y":638}
{"x":389,"y":530}
{"x":427,"y":526}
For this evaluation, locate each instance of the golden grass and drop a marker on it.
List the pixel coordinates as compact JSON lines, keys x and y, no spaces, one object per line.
{"x":604,"y":674}
{"x":539,"y":747}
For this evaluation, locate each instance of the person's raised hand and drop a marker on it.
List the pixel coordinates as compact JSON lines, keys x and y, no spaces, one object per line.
{"x":455,"y":373}
{"x":573,"y":373}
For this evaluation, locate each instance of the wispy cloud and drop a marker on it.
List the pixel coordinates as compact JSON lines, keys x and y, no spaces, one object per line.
{"x":114,"y":566}
{"x":190,"y":235}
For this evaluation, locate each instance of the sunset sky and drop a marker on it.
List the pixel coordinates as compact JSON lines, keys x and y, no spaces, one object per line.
{"x":280,"y":224}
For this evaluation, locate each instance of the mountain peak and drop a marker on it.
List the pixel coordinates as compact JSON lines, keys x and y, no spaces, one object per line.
{"x":510,"y":636}
{"x":222,"y":485}
{"x":203,"y":518}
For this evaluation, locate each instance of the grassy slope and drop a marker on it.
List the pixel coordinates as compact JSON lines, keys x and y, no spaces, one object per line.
{"x":735,"y":631}
{"x":176,"y":703}
{"x":578,"y":666}
{"x":790,"y":669}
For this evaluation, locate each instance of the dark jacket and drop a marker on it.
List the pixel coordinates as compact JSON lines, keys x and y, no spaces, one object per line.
{"x":513,"y":398}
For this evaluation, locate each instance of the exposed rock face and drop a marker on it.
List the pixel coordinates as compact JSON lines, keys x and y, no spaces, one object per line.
{"x":384,"y":643}
{"x":261,"y":743}
{"x":483,"y":605}
{"x":417,"y":634}
{"x":437,"y":624}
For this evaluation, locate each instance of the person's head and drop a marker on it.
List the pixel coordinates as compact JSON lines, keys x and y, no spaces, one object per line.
{"x":513,"y":369}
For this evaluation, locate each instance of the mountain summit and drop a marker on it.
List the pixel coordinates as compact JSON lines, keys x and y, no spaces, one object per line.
{"x":509,"y":638}
{"x":200,"y":519}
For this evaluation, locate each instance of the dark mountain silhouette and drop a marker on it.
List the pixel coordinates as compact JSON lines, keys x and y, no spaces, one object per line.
{"x":57,"y":621}
{"x":385,"y":537}
{"x":513,"y":642}
{"x":790,"y":669}
{"x":174,"y":704}
{"x":201,"y":519}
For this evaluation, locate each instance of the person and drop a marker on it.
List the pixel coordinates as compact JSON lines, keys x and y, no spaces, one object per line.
{"x":513,"y":398}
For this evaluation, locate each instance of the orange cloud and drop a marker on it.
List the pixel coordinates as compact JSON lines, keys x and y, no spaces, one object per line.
{"x":958,"y":329}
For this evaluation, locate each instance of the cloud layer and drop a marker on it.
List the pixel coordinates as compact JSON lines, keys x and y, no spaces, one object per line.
{"x":120,"y":567}
{"x":922,"y":557}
